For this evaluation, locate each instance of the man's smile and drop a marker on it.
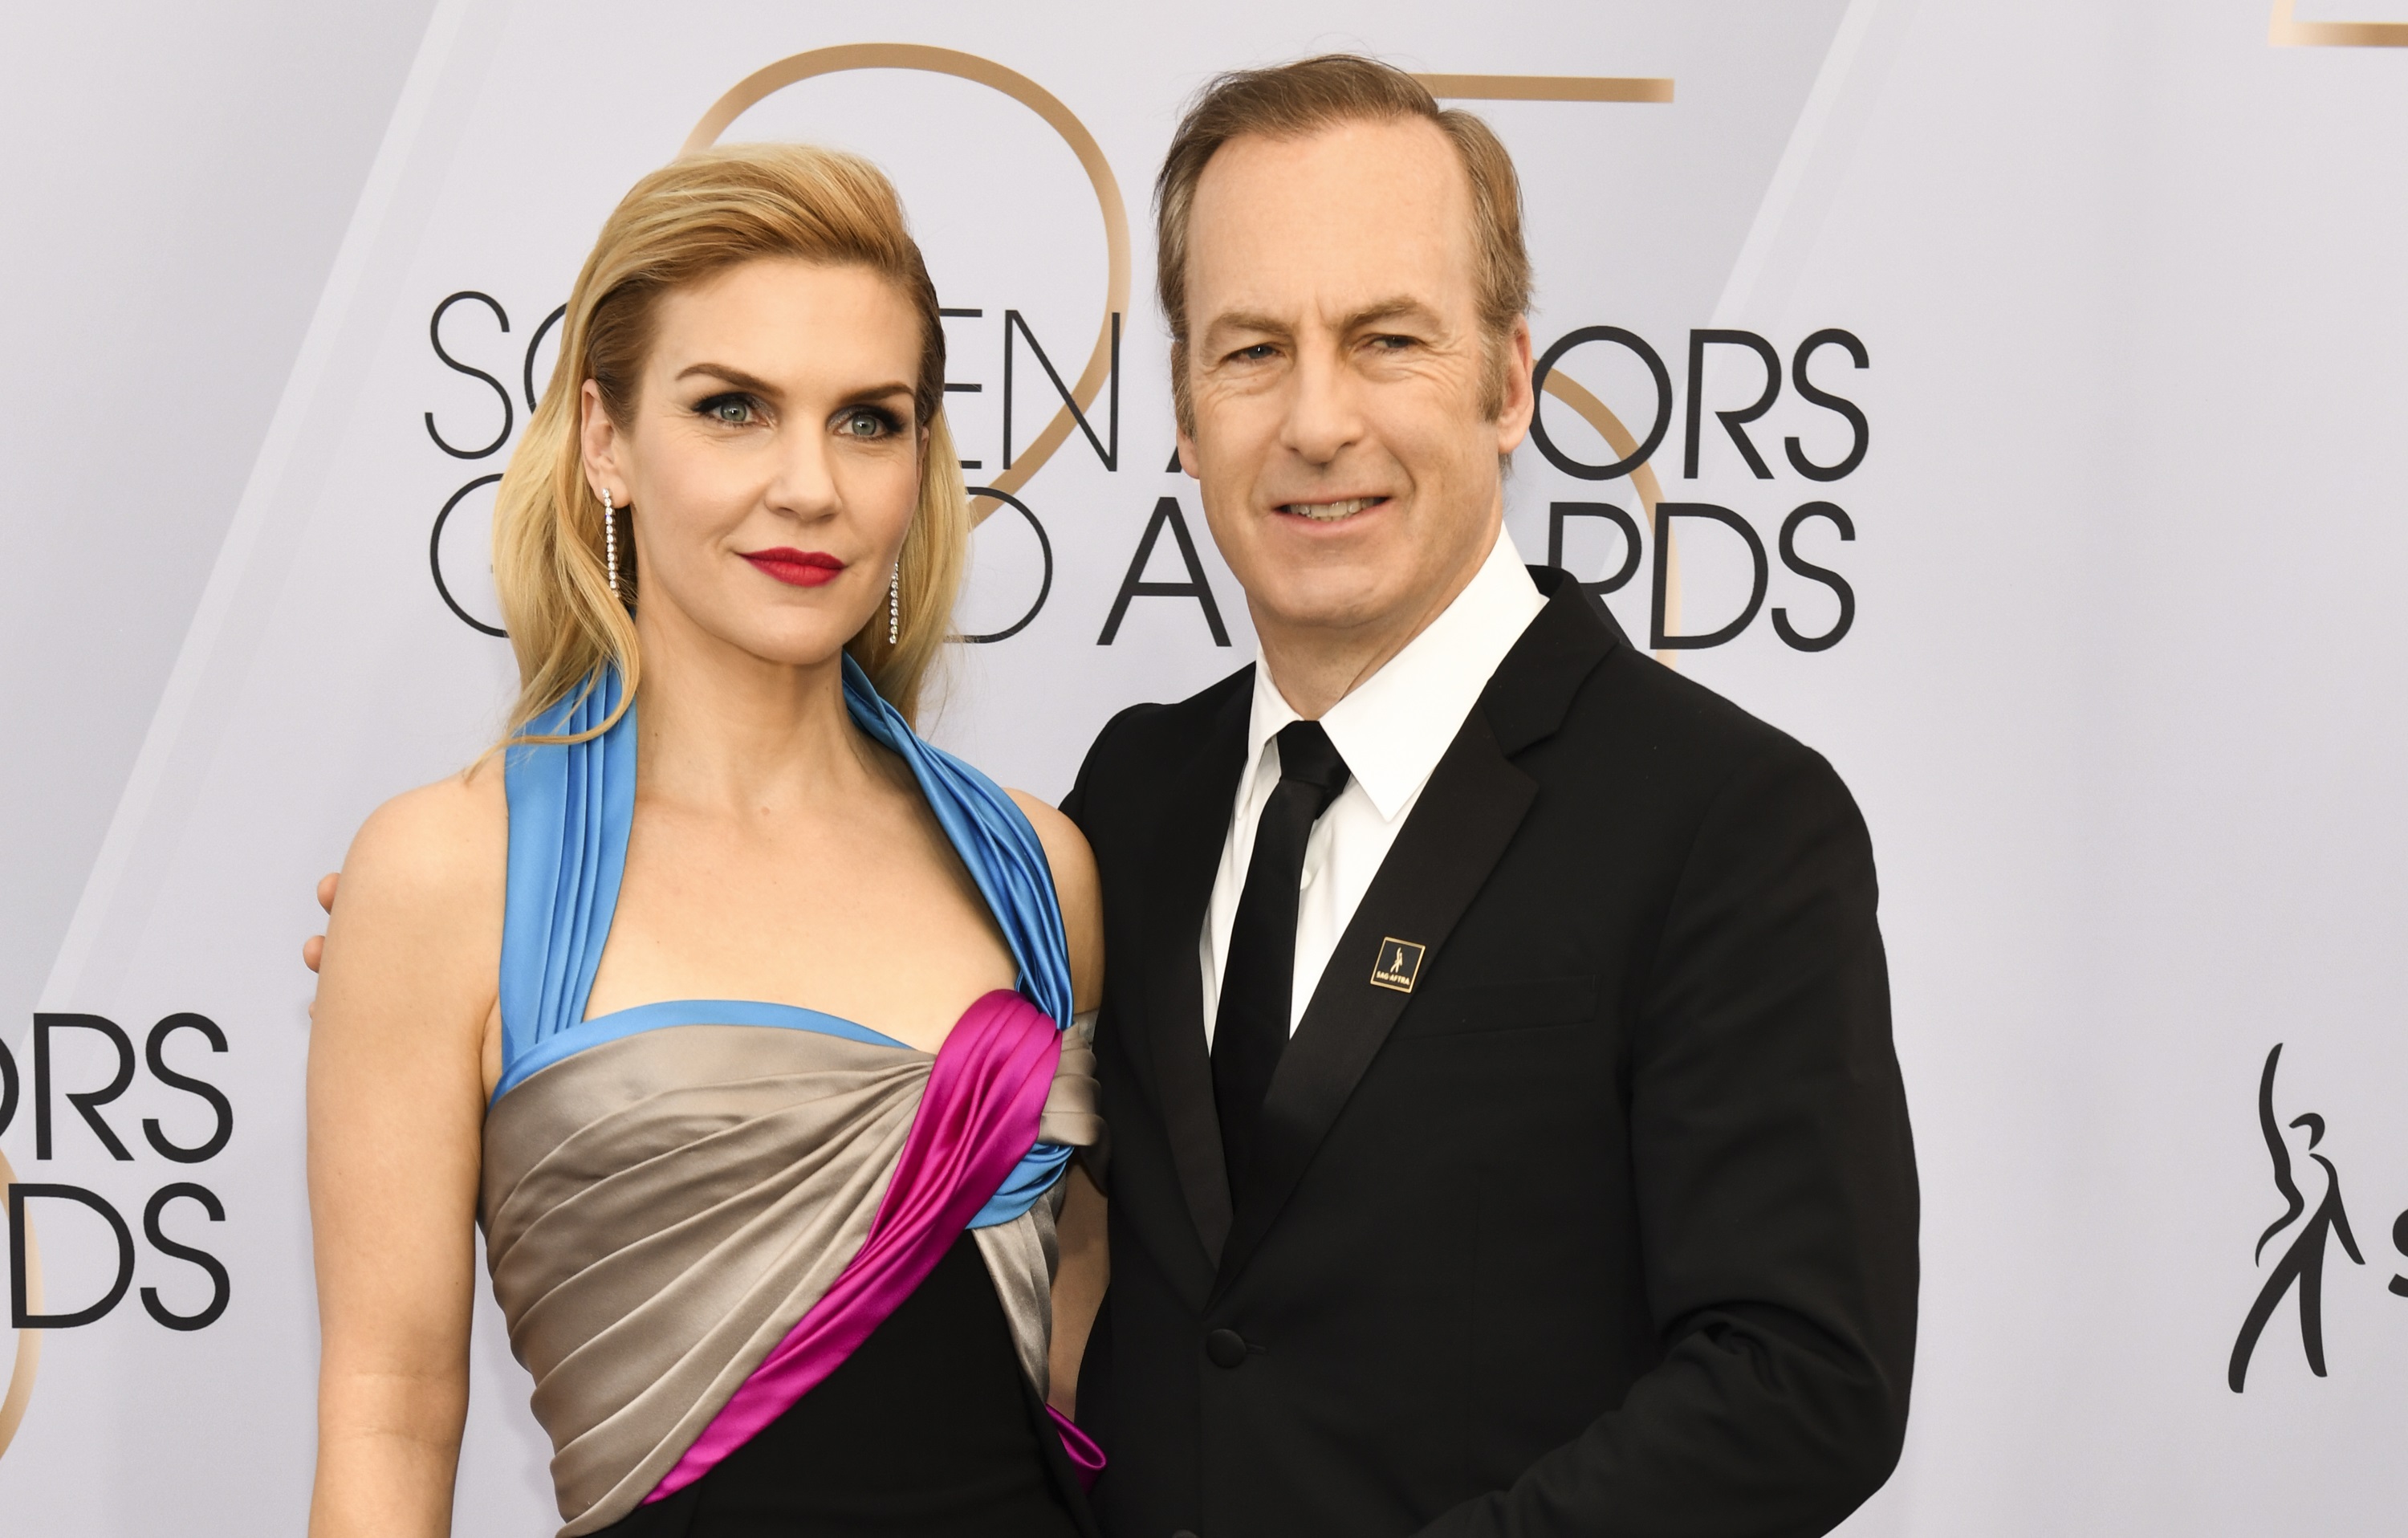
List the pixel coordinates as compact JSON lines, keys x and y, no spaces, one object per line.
{"x":1330,"y":513}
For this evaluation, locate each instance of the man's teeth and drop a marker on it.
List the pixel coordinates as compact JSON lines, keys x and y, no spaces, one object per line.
{"x":1328,"y":512}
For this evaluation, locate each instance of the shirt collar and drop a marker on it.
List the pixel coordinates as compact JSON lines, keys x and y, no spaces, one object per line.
{"x":1395,"y":725}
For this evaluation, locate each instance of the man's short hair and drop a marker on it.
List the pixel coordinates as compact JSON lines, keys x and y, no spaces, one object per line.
{"x":1295,"y":100}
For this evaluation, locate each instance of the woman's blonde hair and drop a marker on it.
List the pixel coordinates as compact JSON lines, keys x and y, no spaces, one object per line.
{"x":696,"y":217}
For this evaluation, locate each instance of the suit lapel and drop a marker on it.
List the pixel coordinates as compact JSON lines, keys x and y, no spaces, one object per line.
{"x":1185,"y":857}
{"x":1459,"y":828}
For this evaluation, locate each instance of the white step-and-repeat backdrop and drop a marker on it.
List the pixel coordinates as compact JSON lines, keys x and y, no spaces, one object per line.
{"x":2003,"y":395}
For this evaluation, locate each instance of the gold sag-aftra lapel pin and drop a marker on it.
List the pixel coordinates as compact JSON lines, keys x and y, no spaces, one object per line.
{"x":1397,"y":964}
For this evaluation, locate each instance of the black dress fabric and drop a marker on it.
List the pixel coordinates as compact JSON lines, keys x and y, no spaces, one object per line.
{"x":929,"y":1429}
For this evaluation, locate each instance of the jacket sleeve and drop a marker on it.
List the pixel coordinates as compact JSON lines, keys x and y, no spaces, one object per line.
{"x":1774,"y":1175}
{"x":1077,"y":806}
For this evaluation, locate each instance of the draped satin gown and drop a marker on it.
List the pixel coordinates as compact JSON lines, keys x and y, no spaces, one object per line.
{"x":773,"y":1271}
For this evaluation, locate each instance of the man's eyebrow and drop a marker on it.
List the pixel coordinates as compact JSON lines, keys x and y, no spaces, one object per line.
{"x":1402,"y":306}
{"x":1245,"y":321}
{"x":1399,"y":307}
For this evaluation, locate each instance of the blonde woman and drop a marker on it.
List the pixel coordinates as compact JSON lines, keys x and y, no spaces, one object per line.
{"x":728,"y":1007}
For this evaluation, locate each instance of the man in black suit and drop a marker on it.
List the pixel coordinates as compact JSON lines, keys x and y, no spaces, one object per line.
{"x":1506,"y":1134}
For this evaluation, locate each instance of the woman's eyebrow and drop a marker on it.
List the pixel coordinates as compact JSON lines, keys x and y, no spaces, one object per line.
{"x":736,"y":377}
{"x":742,"y":380}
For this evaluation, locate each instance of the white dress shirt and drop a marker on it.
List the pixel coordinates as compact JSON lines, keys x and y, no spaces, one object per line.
{"x":1391,"y":730}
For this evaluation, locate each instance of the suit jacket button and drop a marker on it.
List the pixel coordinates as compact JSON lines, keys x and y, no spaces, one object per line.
{"x":1183,"y":1532}
{"x":1226,"y":1347}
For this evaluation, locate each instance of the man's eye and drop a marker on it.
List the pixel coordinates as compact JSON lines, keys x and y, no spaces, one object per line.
{"x":1259,"y":353}
{"x":1392,"y":344}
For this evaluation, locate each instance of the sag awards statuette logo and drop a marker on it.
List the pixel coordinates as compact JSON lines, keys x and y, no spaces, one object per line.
{"x":2301,"y":1262}
{"x":1806,"y":372}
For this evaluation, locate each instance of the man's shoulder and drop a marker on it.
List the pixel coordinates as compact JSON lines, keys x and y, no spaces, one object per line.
{"x":1150,"y":737}
{"x":1667,"y":772}
{"x":1665,"y":705}
{"x":1636,"y":710}
{"x":1575,"y":696}
{"x":1143,"y":748}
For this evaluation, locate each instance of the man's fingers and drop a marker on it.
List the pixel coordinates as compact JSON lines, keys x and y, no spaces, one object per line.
{"x":313,"y":950}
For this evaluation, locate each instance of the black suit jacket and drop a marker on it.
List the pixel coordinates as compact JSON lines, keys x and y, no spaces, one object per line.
{"x":1606,"y":1226}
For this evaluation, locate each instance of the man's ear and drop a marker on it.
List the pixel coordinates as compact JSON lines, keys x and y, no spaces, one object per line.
{"x":1516,"y":401}
{"x":1186,"y":458}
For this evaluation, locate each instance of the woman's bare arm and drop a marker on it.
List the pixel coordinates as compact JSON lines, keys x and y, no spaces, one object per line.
{"x":1079,"y":890}
{"x":1083,"y":1267}
{"x":398,"y":1079}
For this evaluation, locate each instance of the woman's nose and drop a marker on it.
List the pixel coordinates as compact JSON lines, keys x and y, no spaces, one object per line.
{"x":804,"y":484}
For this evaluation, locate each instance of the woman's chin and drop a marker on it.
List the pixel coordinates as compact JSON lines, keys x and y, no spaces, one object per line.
{"x":808,"y":646}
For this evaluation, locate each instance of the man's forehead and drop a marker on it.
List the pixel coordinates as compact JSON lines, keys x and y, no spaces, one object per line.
{"x":1404,"y":165}
{"x":1348,"y":216}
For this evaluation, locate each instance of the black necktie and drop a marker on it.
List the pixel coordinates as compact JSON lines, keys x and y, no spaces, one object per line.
{"x":1256,"y":983}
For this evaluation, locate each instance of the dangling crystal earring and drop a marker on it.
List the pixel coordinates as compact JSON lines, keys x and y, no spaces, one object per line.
{"x":895,"y":606}
{"x":610,"y":543}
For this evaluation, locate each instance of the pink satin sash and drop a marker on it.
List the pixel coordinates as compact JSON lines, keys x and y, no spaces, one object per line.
{"x":978,"y":1116}
{"x":1087,"y":1458}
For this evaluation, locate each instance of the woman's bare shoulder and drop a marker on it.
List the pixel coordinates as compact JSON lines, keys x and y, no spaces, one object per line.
{"x":1078,"y":889}
{"x":1066,"y":847}
{"x":442,"y":850}
{"x":413,"y":941}
{"x":441,"y":832}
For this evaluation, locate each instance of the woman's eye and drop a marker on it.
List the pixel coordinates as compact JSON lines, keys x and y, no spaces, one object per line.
{"x":729,"y":411}
{"x":862,"y":424}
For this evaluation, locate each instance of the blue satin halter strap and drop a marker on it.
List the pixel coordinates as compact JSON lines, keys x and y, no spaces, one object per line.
{"x":571,"y":806}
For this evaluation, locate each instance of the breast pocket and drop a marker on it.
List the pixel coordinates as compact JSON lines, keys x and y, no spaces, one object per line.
{"x":1523,"y":1004}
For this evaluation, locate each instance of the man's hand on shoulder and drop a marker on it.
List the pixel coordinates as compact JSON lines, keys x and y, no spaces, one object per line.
{"x":313,"y":950}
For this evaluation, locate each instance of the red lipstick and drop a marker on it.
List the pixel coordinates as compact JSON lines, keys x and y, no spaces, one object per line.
{"x":796,"y":568}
